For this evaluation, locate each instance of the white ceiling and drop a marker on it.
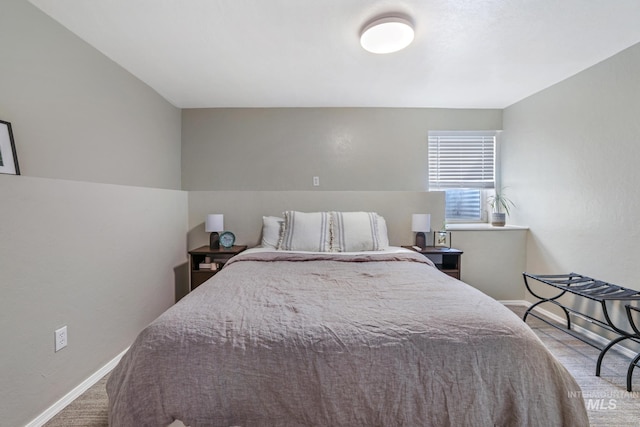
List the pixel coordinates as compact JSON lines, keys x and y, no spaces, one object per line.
{"x":306,"y":53}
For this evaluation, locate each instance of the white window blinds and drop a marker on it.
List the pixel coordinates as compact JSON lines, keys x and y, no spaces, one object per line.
{"x":463,"y":204}
{"x":461,"y":159}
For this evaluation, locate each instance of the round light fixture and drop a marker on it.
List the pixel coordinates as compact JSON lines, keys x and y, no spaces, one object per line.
{"x":387,"y":35}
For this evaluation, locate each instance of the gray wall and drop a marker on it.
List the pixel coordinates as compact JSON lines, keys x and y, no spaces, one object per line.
{"x":371,"y":149}
{"x":85,"y":241}
{"x":76,"y":114}
{"x":245,"y":163}
{"x":570,"y":157}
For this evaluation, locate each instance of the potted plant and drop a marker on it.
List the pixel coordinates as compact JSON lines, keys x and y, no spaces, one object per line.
{"x":500,"y":205}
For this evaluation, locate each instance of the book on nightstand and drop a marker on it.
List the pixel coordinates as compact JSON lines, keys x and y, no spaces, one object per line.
{"x":208,"y":266}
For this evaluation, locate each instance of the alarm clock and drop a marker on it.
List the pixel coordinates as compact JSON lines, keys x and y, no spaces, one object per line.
{"x":227,"y":239}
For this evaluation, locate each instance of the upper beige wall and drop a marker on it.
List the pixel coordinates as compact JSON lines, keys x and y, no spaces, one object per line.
{"x":76,"y":114}
{"x":348,"y":148}
{"x":570,"y":157}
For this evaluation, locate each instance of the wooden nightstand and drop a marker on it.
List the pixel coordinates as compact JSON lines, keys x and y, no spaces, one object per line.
{"x":218,"y":256}
{"x":446,"y":259}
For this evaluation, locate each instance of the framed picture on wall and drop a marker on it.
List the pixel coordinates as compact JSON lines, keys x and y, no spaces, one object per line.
{"x":442,"y":239}
{"x":8,"y":157}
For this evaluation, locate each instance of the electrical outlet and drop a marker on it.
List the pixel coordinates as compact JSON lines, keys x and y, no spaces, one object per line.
{"x":316,"y":181}
{"x":61,"y":338}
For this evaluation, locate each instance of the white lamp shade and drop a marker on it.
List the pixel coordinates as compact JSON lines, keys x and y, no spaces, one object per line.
{"x":387,"y":35}
{"x":214,"y":222}
{"x":421,"y":222}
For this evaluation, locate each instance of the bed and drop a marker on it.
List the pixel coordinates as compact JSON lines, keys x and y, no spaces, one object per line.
{"x":352,"y":338}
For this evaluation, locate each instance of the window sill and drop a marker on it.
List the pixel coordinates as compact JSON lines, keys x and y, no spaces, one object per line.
{"x":483,"y":227}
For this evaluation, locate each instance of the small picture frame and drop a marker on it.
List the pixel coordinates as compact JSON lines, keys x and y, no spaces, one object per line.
{"x":8,"y":157}
{"x":442,"y":239}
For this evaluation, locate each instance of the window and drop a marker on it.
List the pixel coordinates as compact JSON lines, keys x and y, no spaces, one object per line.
{"x":463,"y":164}
{"x":463,"y":204}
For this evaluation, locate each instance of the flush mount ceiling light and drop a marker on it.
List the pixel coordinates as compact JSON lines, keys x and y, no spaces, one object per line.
{"x":386,"y":35}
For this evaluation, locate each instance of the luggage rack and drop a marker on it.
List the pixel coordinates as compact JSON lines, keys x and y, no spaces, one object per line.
{"x":595,"y":290}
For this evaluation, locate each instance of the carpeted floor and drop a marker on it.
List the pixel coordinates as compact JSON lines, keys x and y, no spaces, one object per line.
{"x":89,"y":410}
{"x":606,"y":397}
{"x":607,"y":400}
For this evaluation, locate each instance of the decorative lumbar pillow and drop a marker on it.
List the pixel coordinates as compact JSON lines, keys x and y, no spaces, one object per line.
{"x":306,"y":232}
{"x":356,"y":231}
{"x":271,"y":231}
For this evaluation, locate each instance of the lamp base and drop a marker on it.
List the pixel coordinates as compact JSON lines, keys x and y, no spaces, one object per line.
{"x":214,"y":240}
{"x":421,"y":240}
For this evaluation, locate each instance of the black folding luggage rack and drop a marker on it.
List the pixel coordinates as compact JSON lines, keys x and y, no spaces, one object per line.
{"x":595,"y":290}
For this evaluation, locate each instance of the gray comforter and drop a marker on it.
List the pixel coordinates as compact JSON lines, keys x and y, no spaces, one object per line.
{"x":286,"y":339}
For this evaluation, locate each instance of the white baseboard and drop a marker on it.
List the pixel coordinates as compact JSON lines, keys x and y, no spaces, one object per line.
{"x":596,"y":338}
{"x":51,"y":412}
{"x":515,"y":302}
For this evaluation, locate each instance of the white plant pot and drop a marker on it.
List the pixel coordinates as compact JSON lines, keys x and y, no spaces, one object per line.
{"x":498,"y":219}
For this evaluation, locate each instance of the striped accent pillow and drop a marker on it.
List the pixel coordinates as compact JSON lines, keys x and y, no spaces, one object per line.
{"x":357,"y":231}
{"x":306,"y":232}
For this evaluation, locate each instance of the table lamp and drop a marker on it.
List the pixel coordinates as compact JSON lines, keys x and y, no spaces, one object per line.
{"x":421,"y":224}
{"x":214,"y":224}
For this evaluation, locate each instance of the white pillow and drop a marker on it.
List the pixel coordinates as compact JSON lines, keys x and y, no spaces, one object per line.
{"x":271,"y":231}
{"x":357,"y":231}
{"x":306,"y":232}
{"x":383,"y":234}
